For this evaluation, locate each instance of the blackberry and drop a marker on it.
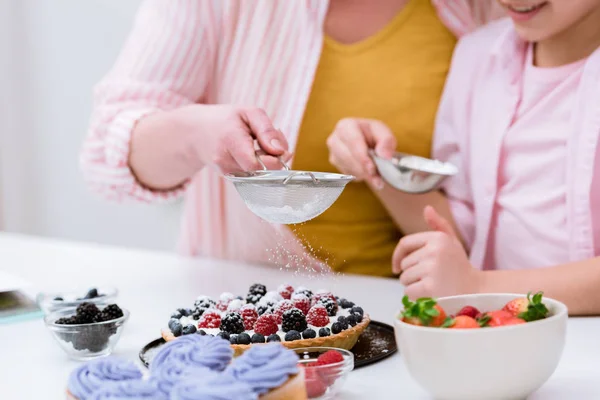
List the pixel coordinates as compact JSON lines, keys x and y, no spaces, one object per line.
{"x":204,"y":302}
{"x":330,"y":306}
{"x":198,"y":313}
{"x":323,"y":332}
{"x":233,"y":339}
{"x":345,"y":303}
{"x":224,"y":335}
{"x":91,"y":294}
{"x":86,"y":312}
{"x":232,"y":322}
{"x":177,"y":329}
{"x":258,"y":288}
{"x":111,"y":311}
{"x":293,"y":319}
{"x":253,"y":298}
{"x":351,"y":320}
{"x":274,"y":338}
{"x":243,"y":338}
{"x":336,"y":327}
{"x":67,"y":321}
{"x":186,"y":312}
{"x":292,"y":335}
{"x":265,"y":307}
{"x":305,"y":292}
{"x":93,"y":338}
{"x":258,"y":338}
{"x":201,"y":332}
{"x":189,"y":329}
{"x":309,"y":334}
{"x":58,"y":298}
{"x":357,"y":310}
{"x":176,"y":315}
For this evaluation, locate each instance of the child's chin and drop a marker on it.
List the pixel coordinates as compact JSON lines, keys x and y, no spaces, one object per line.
{"x":533,"y":35}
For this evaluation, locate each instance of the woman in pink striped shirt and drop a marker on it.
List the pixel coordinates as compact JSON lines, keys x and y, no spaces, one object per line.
{"x":520,"y":116}
{"x":198,"y":81}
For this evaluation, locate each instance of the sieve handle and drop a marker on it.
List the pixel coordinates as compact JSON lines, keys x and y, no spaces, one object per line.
{"x":296,"y":173}
{"x":261,"y":152}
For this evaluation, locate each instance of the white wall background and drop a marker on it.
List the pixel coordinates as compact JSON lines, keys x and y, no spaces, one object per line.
{"x":51,"y":54}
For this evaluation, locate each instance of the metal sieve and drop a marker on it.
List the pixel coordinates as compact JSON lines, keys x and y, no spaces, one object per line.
{"x":286,"y":196}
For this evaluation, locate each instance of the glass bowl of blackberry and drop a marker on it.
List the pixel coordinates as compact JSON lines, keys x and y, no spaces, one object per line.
{"x":50,"y":302}
{"x":88,"y":330}
{"x":325,"y":370}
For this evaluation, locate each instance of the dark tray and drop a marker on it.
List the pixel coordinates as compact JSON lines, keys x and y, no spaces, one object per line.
{"x":374,"y":344}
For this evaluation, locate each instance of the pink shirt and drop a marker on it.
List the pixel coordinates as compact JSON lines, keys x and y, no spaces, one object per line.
{"x":260,"y":53}
{"x":526,"y":141}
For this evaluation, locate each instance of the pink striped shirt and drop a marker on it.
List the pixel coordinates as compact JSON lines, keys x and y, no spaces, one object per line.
{"x":257,"y":53}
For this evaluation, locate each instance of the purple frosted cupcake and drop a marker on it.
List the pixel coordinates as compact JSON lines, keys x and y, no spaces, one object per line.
{"x":129,"y":390}
{"x":218,"y":387}
{"x":93,"y":375}
{"x":195,"y":350}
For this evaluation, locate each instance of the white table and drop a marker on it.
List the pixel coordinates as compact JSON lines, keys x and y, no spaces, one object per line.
{"x":154,"y":284}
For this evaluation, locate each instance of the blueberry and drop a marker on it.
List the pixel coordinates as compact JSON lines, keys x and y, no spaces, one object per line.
{"x":358,"y":318}
{"x":172,"y":323}
{"x":201,"y":332}
{"x":274,"y":338}
{"x":58,"y":298}
{"x":292,"y":335}
{"x":177,"y":329}
{"x":309,"y":334}
{"x":243,"y":338}
{"x":189,"y":329}
{"x":258,"y":338}
{"x":341,"y":319}
{"x":357,"y":310}
{"x":224,"y":335}
{"x":176,"y":315}
{"x":351,"y":320}
{"x":92,"y":293}
{"x":233,"y":338}
{"x":324,"y":332}
{"x":345,"y":303}
{"x":336,"y":327}
{"x":186,"y":312}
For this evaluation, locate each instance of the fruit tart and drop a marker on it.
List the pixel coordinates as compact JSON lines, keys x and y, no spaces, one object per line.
{"x":295,"y":317}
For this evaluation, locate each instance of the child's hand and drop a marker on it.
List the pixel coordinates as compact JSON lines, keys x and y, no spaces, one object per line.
{"x":434,"y":264}
{"x":349,"y":146}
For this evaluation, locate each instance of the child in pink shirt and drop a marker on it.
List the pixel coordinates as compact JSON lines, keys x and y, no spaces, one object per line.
{"x":520,"y":117}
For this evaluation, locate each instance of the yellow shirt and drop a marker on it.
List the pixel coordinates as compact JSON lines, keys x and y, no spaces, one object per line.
{"x":396,"y":76}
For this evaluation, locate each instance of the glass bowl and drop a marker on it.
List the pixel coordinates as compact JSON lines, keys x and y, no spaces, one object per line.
{"x":86,"y":341}
{"x":49,"y":302}
{"x":324,"y":381}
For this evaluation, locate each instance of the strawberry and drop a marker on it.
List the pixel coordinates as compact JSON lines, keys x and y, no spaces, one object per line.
{"x":528,"y":308}
{"x":425,"y":311}
{"x":461,"y":322}
{"x":315,"y":387}
{"x":302,"y":304}
{"x":514,"y":321}
{"x":249,"y":315}
{"x":285,"y":291}
{"x":495,"y":318}
{"x":282,"y":307}
{"x":210,"y":319}
{"x":266,"y":325}
{"x":317,"y":316}
{"x":469,"y":311}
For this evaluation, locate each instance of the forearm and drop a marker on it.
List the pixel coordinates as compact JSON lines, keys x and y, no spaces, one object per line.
{"x":161,"y":153}
{"x":576,"y":284}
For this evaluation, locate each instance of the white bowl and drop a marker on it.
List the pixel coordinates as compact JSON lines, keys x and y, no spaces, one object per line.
{"x":501,"y":363}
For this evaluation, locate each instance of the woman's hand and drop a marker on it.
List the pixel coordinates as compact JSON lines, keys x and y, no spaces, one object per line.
{"x":434,"y":263}
{"x":349,"y":146}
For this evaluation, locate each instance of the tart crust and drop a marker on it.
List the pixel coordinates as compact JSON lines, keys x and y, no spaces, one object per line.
{"x":343,"y":340}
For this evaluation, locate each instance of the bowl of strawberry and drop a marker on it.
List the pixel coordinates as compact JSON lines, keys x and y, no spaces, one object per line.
{"x":482,"y":346}
{"x":325,"y":370}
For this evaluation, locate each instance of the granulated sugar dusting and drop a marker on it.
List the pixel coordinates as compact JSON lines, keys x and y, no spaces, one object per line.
{"x":427,"y":165}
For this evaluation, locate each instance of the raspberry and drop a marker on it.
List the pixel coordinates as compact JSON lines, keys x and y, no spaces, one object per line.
{"x":210,"y":319}
{"x":330,"y":357}
{"x":285,"y":291}
{"x":293,"y":320}
{"x":315,"y":387}
{"x":272,"y":296}
{"x":330,"y":305}
{"x":266,"y":325}
{"x":282,"y":307}
{"x":302,"y":303}
{"x":224,"y":301}
{"x":232,"y":322}
{"x":235,"y":305}
{"x":249,"y":315}
{"x":317,"y":316}
{"x":322,"y":294}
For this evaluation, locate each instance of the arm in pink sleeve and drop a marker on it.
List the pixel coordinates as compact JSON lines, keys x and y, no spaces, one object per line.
{"x":165,"y":64}
{"x":450,"y":143}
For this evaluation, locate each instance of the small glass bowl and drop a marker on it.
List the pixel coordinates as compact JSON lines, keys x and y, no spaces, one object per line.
{"x":86,"y":341}
{"x":73,"y":298}
{"x":324,"y":381}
